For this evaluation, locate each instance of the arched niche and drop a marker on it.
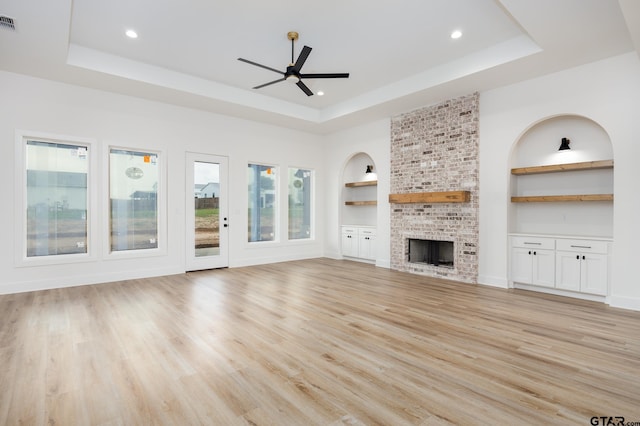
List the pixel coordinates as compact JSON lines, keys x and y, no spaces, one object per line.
{"x":539,"y":146}
{"x":359,"y":191}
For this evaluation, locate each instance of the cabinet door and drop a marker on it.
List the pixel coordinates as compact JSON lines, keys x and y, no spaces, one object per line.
{"x":543,"y":268}
{"x":367,"y":248}
{"x":521,"y":261}
{"x":593,"y":273}
{"x":568,"y":270}
{"x":349,"y":244}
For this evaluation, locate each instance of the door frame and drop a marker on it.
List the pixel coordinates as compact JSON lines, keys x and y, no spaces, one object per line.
{"x":193,"y":263}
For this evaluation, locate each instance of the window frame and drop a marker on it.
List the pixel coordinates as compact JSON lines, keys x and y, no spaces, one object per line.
{"x":277,"y":202}
{"x":161,"y":198}
{"x":20,"y":199}
{"x":312,"y":196}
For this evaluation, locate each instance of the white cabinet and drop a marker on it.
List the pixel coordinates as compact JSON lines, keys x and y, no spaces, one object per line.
{"x":576,"y":265}
{"x":582,"y":266}
{"x":367,"y":243}
{"x":359,"y":242}
{"x":533,"y":261}
{"x":349,"y":241}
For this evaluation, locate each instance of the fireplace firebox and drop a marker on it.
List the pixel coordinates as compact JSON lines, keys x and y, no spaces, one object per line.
{"x":431,"y":252}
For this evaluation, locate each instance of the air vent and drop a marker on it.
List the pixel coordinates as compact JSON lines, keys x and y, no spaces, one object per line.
{"x":8,"y":23}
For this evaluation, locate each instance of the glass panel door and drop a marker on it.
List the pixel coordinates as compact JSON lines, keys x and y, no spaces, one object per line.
{"x":206,"y":210}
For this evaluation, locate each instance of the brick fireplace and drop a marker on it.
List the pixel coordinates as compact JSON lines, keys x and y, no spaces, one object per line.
{"x":435,"y":150}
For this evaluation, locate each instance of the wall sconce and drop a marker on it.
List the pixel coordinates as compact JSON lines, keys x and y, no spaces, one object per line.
{"x":565,"y":144}
{"x":369,"y":169}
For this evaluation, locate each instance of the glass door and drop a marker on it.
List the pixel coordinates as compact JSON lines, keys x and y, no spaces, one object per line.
{"x":206,"y":212}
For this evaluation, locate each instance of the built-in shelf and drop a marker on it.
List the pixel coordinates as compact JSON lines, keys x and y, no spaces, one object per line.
{"x":431,"y":197}
{"x":554,"y":168}
{"x":360,"y":203}
{"x":363,"y":183}
{"x":560,"y":198}
{"x":360,"y":185}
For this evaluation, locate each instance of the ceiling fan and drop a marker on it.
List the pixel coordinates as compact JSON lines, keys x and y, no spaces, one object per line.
{"x":293,"y":70}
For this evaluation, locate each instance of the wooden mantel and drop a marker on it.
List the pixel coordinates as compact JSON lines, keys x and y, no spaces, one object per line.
{"x":431,"y":197}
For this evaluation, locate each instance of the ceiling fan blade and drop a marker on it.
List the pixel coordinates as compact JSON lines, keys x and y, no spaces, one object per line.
{"x":260,"y":65}
{"x":304,"y":88}
{"x":269,"y":83}
{"x":302,"y":58}
{"x":334,"y":75}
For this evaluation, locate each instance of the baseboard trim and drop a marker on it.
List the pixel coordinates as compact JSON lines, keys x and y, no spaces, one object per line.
{"x":493,"y":281}
{"x":82,"y":280}
{"x":631,"y":303}
{"x":384,"y":263}
{"x":559,"y":292}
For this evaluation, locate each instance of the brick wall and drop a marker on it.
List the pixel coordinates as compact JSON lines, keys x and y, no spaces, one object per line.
{"x":436,"y":149}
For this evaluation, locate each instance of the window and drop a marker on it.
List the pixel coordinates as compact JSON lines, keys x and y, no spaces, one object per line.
{"x":262,"y":202}
{"x":299,"y":203}
{"x":133,"y":195}
{"x":57,"y":198}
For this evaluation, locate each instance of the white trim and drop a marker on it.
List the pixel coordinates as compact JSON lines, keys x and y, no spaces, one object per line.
{"x":623,"y":302}
{"x":237,"y":263}
{"x":333,"y":255}
{"x":75,"y":280}
{"x":161,"y":198}
{"x":193,"y":263}
{"x":383,"y":264}
{"x":312,"y":207}
{"x":558,"y":292}
{"x":20,"y":200}
{"x":490,"y":281}
{"x":277,"y":219}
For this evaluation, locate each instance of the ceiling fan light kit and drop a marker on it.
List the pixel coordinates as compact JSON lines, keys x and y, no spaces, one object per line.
{"x":293,"y":73}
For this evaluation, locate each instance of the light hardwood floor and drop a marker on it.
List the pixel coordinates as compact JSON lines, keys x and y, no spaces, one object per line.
{"x":318,"y":341}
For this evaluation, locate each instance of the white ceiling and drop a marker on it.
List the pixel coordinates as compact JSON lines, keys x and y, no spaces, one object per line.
{"x":399,"y":54}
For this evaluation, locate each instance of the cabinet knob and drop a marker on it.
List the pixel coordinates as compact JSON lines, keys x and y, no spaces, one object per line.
{"x":529,"y":251}
{"x":578,"y":256}
{"x":583,"y":257}
{"x":534,"y":253}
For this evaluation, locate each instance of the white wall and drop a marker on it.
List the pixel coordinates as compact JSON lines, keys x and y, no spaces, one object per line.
{"x":607,"y":92}
{"x":54,"y":108}
{"x":372,"y":139}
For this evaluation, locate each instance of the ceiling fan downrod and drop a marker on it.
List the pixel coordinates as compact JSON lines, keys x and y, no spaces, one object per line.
{"x":293,"y":36}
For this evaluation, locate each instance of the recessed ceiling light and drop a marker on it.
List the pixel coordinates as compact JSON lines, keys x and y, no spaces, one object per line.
{"x":456,"y":34}
{"x":320,"y":93}
{"x":131,"y":34}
